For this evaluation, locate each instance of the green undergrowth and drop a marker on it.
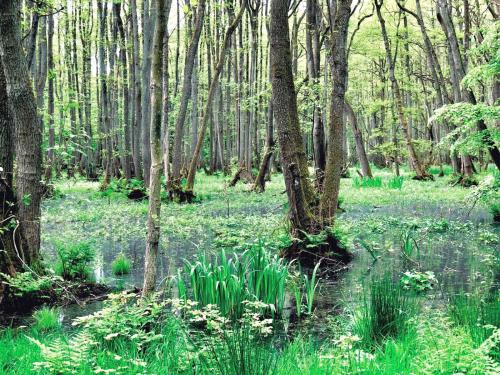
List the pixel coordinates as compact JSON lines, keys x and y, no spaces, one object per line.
{"x":170,"y":336}
{"x":222,"y":322}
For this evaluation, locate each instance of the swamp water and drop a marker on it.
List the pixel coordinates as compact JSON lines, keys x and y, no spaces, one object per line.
{"x":459,"y":247}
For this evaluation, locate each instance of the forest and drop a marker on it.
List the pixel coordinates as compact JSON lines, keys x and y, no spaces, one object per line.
{"x":247,"y":187}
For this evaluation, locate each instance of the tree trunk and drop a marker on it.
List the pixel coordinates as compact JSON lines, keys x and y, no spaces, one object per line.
{"x":293,"y":155}
{"x":335,"y":157}
{"x":27,"y":133}
{"x":186,"y":92}
{"x":50,"y":104}
{"x":136,"y":78}
{"x":358,"y":138}
{"x":153,"y":239}
{"x":208,"y":105}
{"x":9,"y":261}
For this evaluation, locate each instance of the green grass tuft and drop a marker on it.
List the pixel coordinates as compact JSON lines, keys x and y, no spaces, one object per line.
{"x":121,"y":265}
{"x":46,"y":319}
{"x":385,"y":313}
{"x":375,"y":182}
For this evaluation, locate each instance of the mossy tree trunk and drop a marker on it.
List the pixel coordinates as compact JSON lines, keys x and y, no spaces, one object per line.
{"x":27,"y":132}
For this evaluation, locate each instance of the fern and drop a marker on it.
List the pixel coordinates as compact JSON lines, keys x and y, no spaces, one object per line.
{"x":65,"y":357}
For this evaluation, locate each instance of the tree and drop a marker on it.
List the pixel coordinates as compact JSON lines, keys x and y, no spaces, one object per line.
{"x":27,"y":133}
{"x":293,"y":156}
{"x":398,"y":100}
{"x":334,"y":162}
{"x":153,"y":239}
{"x":186,"y":92}
{"x":208,"y":106}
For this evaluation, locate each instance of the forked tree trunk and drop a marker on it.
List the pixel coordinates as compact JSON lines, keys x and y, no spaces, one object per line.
{"x":27,"y":131}
{"x":153,"y":239}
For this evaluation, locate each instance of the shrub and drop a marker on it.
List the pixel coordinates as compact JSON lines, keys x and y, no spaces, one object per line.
{"x":395,"y":182}
{"x":375,"y":182}
{"x":121,"y":265}
{"x":46,"y":319}
{"x":385,"y":312}
{"x":74,"y":260}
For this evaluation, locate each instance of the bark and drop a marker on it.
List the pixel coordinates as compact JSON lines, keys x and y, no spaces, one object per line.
{"x":293,"y":155}
{"x":127,"y":149}
{"x":153,"y":239}
{"x":313,"y":69}
{"x":50,"y":93}
{"x":335,"y":162}
{"x":102,"y":11}
{"x":136,"y":78}
{"x":148,"y":29}
{"x":9,"y":261}
{"x":27,"y":133}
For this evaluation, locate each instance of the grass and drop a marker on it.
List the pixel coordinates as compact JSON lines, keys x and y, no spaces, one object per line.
{"x":386,"y":313}
{"x":121,"y":265}
{"x":46,"y":319}
{"x":375,"y":182}
{"x":395,"y":182}
{"x":477,"y":315}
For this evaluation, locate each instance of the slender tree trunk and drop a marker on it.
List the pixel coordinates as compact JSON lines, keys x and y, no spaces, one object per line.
{"x":153,"y":239}
{"x":186,"y":92}
{"x":50,"y":93}
{"x":136,"y":78}
{"x":208,"y":106}
{"x":148,"y":28}
{"x":358,"y":138}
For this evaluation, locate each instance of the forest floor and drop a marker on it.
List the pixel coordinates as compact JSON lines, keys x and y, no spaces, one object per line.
{"x":426,"y":235}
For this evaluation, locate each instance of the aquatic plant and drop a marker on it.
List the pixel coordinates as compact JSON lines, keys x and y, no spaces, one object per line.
{"x":409,"y":247}
{"x":46,"y":319}
{"x":479,"y":316}
{"x":395,"y":182}
{"x":418,"y":281}
{"x":386,"y":312}
{"x":74,"y":260}
{"x":226,"y":282}
{"x":310,"y":285}
{"x":365,"y":182}
{"x":121,"y":265}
